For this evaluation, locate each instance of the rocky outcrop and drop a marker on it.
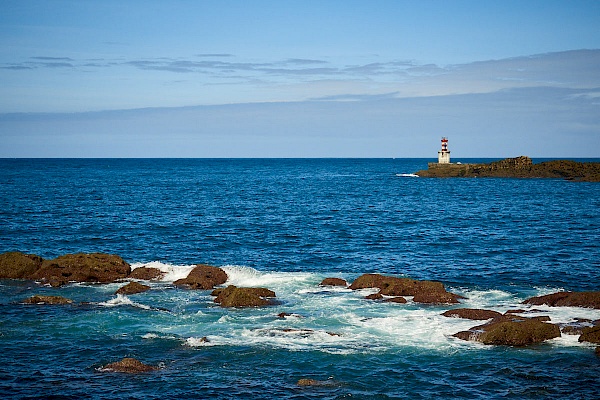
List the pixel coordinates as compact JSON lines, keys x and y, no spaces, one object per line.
{"x":472,"y":313}
{"x":146,"y":274}
{"x":334,"y":282}
{"x":16,"y":265}
{"x":95,"y":267}
{"x":518,"y":167}
{"x":590,"y":334}
{"x":423,"y":291}
{"x":39,"y":299}
{"x":233,"y":296}
{"x":567,"y":299}
{"x":511,"y":331}
{"x":313,"y":382}
{"x":129,"y":365}
{"x":132,"y":288}
{"x":203,"y":277}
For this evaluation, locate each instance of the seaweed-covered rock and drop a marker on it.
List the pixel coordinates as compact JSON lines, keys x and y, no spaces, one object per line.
{"x":313,"y":382}
{"x":567,"y":299}
{"x":511,"y":331}
{"x":334,"y":282}
{"x":203,"y":277}
{"x":472,"y":313}
{"x":374,"y":296}
{"x":132,"y":288}
{"x":39,"y":299}
{"x":145,"y":273}
{"x":423,"y":291}
{"x":17,"y":265}
{"x":95,"y":267}
{"x":129,"y":365}
{"x":590,"y":334}
{"x":233,"y":296}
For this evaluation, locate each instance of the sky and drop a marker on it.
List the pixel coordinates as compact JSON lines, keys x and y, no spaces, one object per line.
{"x":299,"y":78}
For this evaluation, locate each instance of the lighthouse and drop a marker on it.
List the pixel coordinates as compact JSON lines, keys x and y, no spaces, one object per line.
{"x":444,"y":153}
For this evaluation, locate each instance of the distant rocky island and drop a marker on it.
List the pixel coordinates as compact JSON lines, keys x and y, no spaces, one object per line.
{"x":519,"y":167}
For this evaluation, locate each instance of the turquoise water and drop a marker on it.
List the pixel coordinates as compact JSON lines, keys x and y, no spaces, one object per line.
{"x":286,"y":225}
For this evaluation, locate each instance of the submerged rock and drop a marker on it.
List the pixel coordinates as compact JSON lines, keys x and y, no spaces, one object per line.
{"x":567,"y":299}
{"x":233,"y":296}
{"x":511,"y":331}
{"x":129,"y":365}
{"x":203,"y":277}
{"x":95,"y":267}
{"x":590,"y":334}
{"x":145,"y":273}
{"x":472,"y":313}
{"x":334,"y":282}
{"x":132,"y":288}
{"x":17,"y":265}
{"x":39,"y":299}
{"x":423,"y":291}
{"x":313,"y":382}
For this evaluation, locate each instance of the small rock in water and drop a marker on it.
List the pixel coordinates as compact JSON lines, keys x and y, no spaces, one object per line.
{"x":333,"y":282}
{"x":132,"y":288}
{"x":38,"y":299}
{"x":129,"y":365}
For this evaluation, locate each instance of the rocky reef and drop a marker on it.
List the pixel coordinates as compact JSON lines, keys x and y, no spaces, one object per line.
{"x":518,"y":167}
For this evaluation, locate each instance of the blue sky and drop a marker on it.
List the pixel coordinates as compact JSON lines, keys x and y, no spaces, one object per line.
{"x":299,"y":78}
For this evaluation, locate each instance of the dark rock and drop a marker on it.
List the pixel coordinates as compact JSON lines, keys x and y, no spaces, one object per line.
{"x":309,"y":382}
{"x":374,"y":296}
{"x":95,"y":267}
{"x":232,"y":296}
{"x":203,"y":277}
{"x":598,"y":351}
{"x":571,"y":329}
{"x":129,"y":365}
{"x":398,"y":299}
{"x":511,"y":331}
{"x":437,"y":298}
{"x":333,"y":282}
{"x":16,"y":265}
{"x":590,"y":334}
{"x":132,"y":288}
{"x":285,"y":315}
{"x":568,"y":299}
{"x":472,"y":313}
{"x":145,"y":273}
{"x":39,"y":299}
{"x":423,"y":291}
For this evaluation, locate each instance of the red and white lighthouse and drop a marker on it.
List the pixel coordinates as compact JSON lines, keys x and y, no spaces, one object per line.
{"x":444,"y":154}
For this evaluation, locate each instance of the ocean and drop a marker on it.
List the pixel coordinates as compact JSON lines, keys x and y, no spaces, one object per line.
{"x":286,"y":224}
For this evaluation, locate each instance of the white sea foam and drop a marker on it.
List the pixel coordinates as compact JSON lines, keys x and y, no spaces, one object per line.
{"x":408,"y":175}
{"x":249,"y":277}
{"x":122,"y":300}
{"x":171,"y":272}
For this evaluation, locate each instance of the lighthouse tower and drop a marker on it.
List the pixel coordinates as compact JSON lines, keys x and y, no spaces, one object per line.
{"x":444,"y":154}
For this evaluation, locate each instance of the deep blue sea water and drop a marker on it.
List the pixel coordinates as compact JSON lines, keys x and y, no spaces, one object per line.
{"x":286,"y":224}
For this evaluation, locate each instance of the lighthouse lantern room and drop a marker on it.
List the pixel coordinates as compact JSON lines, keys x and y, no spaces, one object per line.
{"x":444,"y":154}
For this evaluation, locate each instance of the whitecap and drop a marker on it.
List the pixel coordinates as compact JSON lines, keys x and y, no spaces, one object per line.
{"x":408,"y":175}
{"x":122,"y":300}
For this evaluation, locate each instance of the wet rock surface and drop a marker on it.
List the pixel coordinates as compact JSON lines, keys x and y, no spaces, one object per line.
{"x":129,"y":365}
{"x":146,"y":274}
{"x":334,"y":282}
{"x":429,"y":292}
{"x":472,"y":313}
{"x":39,"y":299}
{"x":567,"y":299}
{"x":511,"y":331}
{"x":132,"y":288}
{"x":233,"y":296}
{"x":17,"y":265}
{"x":203,"y":277}
{"x":81,"y":267}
